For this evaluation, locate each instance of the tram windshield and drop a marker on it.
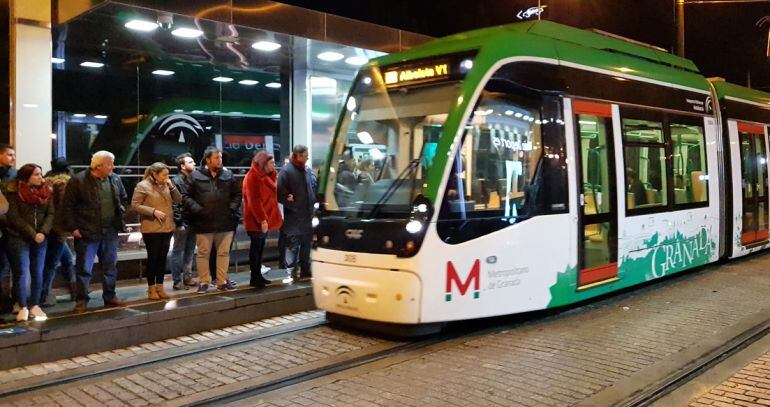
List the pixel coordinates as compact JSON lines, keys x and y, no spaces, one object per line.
{"x":386,"y":145}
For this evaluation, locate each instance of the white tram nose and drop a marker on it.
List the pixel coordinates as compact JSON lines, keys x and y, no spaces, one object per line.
{"x":367,"y":293}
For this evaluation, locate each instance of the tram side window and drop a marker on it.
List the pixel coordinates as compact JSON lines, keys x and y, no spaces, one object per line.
{"x":644,"y":152}
{"x":510,"y":165}
{"x":689,"y":160}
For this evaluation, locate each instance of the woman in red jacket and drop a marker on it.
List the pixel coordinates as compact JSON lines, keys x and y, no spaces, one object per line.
{"x":260,"y":211}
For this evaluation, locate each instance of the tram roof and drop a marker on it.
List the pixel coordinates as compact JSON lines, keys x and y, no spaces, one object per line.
{"x":546,"y":39}
{"x":727,"y":89}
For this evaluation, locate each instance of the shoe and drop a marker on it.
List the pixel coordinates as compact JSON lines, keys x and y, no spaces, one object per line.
{"x":260,"y":282}
{"x":37,"y":313}
{"x":181,"y":286}
{"x":232,"y":283}
{"x":226,"y":286}
{"x":161,"y":292}
{"x":114,"y":302}
{"x":152,"y":293}
{"x":16,"y":308}
{"x":264,"y":269}
{"x":304,"y":278}
{"x":23,"y":314}
{"x":80,"y":307}
{"x":203,"y":288}
{"x":190,"y":283}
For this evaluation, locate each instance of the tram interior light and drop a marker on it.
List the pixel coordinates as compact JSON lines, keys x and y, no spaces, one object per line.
{"x":90,"y":64}
{"x":330,"y":56}
{"x":248,"y":82}
{"x":273,"y":85}
{"x":222,"y":79}
{"x":365,"y":137}
{"x":162,"y":72}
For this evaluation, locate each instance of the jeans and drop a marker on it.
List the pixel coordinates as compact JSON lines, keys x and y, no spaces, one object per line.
{"x":220,"y":242}
{"x":256,"y":248}
{"x":86,"y":251}
{"x":298,"y":253}
{"x":157,"y":251}
{"x":59,"y":257}
{"x":27,"y":261}
{"x":182,"y":255}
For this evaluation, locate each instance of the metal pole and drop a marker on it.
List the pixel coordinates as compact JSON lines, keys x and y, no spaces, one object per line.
{"x":680,"y":28}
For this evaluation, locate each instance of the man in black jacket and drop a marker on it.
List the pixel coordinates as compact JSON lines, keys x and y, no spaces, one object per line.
{"x":93,"y":209}
{"x":212,"y":201}
{"x":7,"y":175}
{"x":184,"y":239}
{"x":296,"y":192}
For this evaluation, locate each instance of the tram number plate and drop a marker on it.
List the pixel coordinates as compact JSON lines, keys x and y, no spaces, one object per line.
{"x":350,"y":258}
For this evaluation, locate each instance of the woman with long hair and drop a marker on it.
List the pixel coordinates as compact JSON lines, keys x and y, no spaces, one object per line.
{"x":30,"y":219}
{"x":153,"y":200}
{"x":260,"y":211}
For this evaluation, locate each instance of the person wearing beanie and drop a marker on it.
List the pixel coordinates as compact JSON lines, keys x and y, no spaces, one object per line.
{"x":260,"y":211}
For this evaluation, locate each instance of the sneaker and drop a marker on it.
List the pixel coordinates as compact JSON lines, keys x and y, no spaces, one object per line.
{"x":23,"y":314}
{"x":203,"y":288}
{"x":232,"y":283}
{"x":37,"y":313}
{"x":226,"y":286}
{"x":265,"y":269}
{"x":180,"y":286}
{"x":190,"y":283}
{"x":260,"y":282}
{"x":114,"y":302}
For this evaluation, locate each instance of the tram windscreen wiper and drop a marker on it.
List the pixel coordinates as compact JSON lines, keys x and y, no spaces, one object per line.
{"x":407,"y":172}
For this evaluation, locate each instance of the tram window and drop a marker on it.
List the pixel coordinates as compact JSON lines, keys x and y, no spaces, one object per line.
{"x":689,"y":160}
{"x":509,"y":167}
{"x":644,"y":152}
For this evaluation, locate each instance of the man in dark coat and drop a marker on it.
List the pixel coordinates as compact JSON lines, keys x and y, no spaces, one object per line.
{"x":7,"y":175}
{"x":212,"y":200}
{"x":184,"y":239}
{"x":297,"y":194}
{"x":93,"y":210}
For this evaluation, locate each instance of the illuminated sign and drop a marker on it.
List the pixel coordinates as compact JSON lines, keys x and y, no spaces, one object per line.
{"x":416,"y":74}
{"x":530,"y":12}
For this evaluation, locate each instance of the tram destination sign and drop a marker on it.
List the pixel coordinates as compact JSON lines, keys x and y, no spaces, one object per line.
{"x":428,"y":70}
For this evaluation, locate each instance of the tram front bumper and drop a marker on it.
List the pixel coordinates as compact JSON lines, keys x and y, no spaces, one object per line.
{"x":367,"y":293}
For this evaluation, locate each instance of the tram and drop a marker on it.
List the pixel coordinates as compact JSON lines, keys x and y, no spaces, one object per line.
{"x":532,"y":166}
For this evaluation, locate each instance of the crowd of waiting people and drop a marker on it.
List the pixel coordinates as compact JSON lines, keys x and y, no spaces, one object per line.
{"x":200,"y":207}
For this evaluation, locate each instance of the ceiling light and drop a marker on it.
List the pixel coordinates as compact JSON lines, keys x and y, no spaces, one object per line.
{"x":89,"y":64}
{"x":248,"y":82}
{"x":330,"y":56}
{"x":162,"y":72}
{"x":187,"y":33}
{"x":57,"y":60}
{"x":79,"y":115}
{"x":222,"y":79}
{"x":142,"y":25}
{"x":274,"y":85}
{"x":365,"y":137}
{"x":100,"y":116}
{"x":268,"y":46}
{"x":357,"y":61}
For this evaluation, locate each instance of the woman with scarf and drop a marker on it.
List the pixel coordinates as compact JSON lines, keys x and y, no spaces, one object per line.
{"x":30,"y":219}
{"x":153,"y":200}
{"x":260,"y":211}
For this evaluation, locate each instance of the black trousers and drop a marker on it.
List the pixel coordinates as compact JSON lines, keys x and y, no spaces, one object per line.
{"x":157,"y":252}
{"x":256,"y":249}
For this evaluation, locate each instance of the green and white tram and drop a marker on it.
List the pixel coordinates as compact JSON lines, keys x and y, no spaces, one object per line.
{"x":530,"y":166}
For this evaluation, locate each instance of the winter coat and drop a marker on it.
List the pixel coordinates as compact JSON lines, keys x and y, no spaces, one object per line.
{"x":212,"y":203}
{"x":181,"y":182}
{"x":82,"y":209}
{"x":26,"y":220}
{"x":260,"y":200}
{"x":58,"y":182}
{"x":148,"y":197}
{"x":297,"y":214}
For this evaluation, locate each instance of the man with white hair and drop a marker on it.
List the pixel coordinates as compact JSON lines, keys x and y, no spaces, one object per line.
{"x":93,"y":207}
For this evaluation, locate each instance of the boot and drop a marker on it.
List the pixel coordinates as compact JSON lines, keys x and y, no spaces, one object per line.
{"x":160,"y":292}
{"x":152,"y":293}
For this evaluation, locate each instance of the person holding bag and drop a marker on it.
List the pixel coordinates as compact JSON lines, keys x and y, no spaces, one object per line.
{"x":30,"y":219}
{"x":154,"y":198}
{"x":260,"y":211}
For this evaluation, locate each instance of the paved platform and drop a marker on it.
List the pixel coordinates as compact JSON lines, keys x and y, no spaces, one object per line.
{"x":66,"y":335}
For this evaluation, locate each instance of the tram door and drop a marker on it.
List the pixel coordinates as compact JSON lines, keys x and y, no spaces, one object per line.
{"x":598,"y":236}
{"x":754,"y":172}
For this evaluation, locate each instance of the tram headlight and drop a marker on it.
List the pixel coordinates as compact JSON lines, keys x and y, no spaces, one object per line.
{"x":414,"y":226}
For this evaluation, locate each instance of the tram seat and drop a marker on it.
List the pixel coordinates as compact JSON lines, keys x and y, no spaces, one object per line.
{"x":630,"y":200}
{"x":698,"y":186}
{"x":653,"y":197}
{"x":680,"y":195}
{"x":591,"y":232}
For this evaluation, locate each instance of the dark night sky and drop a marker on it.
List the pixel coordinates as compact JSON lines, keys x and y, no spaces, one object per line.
{"x":721,"y":38}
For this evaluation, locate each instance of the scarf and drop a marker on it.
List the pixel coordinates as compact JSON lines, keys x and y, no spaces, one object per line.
{"x":34,"y":195}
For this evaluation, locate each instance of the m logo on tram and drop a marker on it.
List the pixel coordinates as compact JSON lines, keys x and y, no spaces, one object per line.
{"x":462,"y":286}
